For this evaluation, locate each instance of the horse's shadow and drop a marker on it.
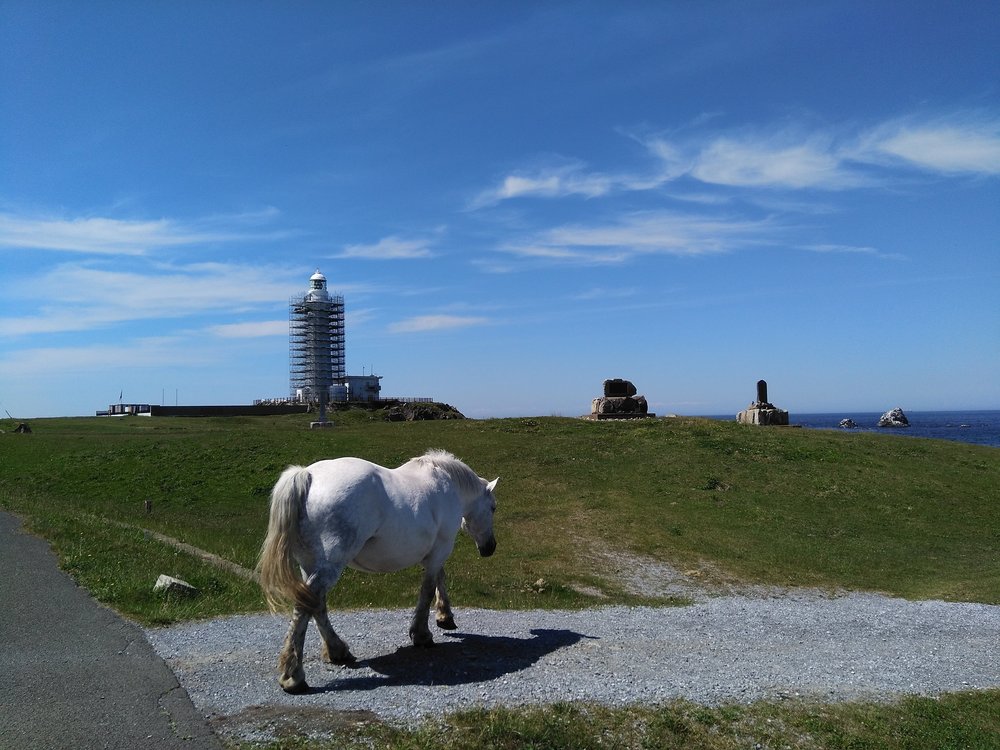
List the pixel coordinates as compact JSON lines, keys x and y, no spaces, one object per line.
{"x":463,"y":659}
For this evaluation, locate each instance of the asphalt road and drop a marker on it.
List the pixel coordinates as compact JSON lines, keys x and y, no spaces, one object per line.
{"x":73,"y":674}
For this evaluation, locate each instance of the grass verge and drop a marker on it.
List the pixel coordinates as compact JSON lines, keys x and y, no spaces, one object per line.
{"x":960,"y":720}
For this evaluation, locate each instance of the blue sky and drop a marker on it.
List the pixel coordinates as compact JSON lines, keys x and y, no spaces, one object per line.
{"x":517,"y":201}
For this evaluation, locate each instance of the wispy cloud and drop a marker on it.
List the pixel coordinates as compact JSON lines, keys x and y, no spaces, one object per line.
{"x":771,"y":163}
{"x":854,"y":250}
{"x":746,"y":160}
{"x":955,"y":146}
{"x":156,"y":352}
{"x":492,"y":266}
{"x":598,"y":293}
{"x":92,"y":297}
{"x":838,"y":159}
{"x":250,"y":330}
{"x":565,"y":179}
{"x":543,"y":249}
{"x":555,"y":181}
{"x":424,"y":323}
{"x":789,"y":158}
{"x":95,"y":236}
{"x":390,"y":248}
{"x":110,"y":236}
{"x":649,"y":233}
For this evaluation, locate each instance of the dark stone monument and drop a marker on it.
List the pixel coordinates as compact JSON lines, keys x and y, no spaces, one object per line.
{"x":618,"y":388}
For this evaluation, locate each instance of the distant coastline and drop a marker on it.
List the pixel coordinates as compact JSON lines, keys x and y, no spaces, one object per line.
{"x":978,"y":427}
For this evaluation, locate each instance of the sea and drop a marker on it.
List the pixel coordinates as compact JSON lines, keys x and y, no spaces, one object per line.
{"x":977,"y":427}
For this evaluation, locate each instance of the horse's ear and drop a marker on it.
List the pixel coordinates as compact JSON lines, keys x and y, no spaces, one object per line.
{"x":492,"y":485}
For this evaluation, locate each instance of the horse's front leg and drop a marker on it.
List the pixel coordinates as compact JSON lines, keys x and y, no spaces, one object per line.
{"x":420,"y":634}
{"x":443,"y":617}
{"x":293,"y":676}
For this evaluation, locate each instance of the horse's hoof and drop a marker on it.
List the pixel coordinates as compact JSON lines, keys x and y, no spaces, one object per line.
{"x":294,"y":687}
{"x":422,"y":640}
{"x":343,"y":656}
{"x":345,"y":660}
{"x":447,"y":623}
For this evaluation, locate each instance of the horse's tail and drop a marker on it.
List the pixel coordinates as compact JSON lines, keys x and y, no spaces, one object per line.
{"x":280,"y":577}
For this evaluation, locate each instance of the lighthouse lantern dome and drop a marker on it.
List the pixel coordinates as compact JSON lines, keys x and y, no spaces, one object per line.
{"x":317,"y":286}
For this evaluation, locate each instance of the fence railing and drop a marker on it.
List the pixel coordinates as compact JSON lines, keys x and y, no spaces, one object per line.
{"x":382,"y":399}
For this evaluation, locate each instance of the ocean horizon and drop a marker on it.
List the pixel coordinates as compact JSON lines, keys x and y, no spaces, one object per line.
{"x":979,"y":427}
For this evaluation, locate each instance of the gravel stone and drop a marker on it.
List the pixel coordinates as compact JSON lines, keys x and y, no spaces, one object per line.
{"x":720,"y":650}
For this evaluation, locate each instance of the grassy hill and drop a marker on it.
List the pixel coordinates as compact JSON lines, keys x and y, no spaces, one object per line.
{"x":580,"y":504}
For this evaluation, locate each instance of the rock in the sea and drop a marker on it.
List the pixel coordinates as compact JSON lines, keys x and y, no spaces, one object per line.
{"x":848,"y":423}
{"x":894,"y":418}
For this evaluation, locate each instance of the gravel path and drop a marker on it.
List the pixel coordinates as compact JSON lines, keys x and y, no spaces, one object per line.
{"x":723,"y":649}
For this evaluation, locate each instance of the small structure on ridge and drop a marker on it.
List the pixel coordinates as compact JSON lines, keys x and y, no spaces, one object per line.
{"x":762,"y":411}
{"x":619,"y":402}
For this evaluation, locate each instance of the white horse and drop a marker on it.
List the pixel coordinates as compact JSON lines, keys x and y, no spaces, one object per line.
{"x":348,"y":511}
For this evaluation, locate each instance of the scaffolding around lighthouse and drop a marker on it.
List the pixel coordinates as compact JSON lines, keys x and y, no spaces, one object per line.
{"x":316,"y":344}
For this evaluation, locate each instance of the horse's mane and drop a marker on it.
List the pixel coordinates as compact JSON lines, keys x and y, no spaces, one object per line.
{"x":466,"y":479}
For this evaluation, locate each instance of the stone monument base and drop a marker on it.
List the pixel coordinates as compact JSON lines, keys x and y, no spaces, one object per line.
{"x":601,"y":417}
{"x":763,"y":414}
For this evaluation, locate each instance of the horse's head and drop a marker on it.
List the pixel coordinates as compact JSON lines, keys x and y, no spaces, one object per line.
{"x":478,"y":519}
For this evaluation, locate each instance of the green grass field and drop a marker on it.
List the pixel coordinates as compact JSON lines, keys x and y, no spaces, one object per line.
{"x":909,"y":517}
{"x":772,"y":506}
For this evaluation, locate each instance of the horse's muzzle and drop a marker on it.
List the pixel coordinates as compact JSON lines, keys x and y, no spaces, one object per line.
{"x":485,"y":550}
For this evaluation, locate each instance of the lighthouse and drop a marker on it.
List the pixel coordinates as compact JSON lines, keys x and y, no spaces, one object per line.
{"x":316,"y":344}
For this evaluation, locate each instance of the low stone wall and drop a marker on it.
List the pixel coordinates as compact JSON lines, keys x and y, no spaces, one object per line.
{"x":227,"y":411}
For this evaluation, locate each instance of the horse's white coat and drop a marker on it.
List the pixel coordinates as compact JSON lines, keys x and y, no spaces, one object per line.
{"x":349,"y":511}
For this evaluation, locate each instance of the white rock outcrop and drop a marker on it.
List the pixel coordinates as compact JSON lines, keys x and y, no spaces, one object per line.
{"x":894,"y":418}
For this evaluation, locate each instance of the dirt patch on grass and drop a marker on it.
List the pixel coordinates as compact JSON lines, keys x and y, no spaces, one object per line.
{"x":270,"y":723}
{"x":650,"y":578}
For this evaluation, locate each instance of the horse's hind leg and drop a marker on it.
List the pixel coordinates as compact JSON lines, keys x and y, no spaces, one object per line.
{"x":293,"y":676}
{"x":335,"y":651}
{"x":442,"y":605}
